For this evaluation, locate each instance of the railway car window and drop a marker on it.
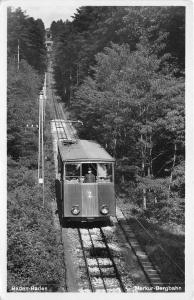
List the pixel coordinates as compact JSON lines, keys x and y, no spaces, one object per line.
{"x":89,"y":173}
{"x":105,"y":172}
{"x":72,"y":173}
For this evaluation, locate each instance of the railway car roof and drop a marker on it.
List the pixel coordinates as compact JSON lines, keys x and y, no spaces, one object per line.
{"x":83,"y":150}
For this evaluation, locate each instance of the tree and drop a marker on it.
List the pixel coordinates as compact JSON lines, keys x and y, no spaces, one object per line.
{"x":93,"y":27}
{"x":22,"y":89}
{"x":128,"y":76}
{"x":29,"y":35}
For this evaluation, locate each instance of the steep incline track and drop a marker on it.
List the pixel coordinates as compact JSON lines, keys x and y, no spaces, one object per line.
{"x":109,"y":256}
{"x":102,"y":271}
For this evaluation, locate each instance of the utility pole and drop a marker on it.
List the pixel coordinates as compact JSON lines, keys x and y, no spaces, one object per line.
{"x":41,"y":144}
{"x":44,"y":93}
{"x":39,"y":140}
{"x":42,"y":149}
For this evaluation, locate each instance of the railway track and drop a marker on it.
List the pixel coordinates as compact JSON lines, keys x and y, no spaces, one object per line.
{"x":65,"y":130}
{"x":99,"y":263}
{"x":59,"y":124}
{"x":102,"y":272}
{"x":151,"y":273}
{"x":102,"y":266}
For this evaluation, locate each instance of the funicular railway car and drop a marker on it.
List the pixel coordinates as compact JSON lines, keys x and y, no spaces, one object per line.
{"x":85,"y":188}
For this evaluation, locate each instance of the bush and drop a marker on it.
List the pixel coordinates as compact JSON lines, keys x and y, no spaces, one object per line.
{"x":33,"y":257}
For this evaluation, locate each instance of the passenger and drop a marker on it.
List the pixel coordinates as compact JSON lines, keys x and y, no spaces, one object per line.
{"x":90,"y":177}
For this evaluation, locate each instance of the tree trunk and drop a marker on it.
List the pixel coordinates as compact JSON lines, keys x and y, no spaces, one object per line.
{"x":142,"y":157}
{"x":150,"y":155}
{"x":77,"y":74}
{"x":115,"y":145}
{"x":122,"y":179}
{"x":174,"y":161}
{"x":144,"y":199}
{"x":149,"y":173}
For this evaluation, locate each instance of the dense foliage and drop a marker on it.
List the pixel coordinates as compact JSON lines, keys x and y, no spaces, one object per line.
{"x":121,"y":71}
{"x":34,"y":253}
{"x":93,"y":28}
{"x":29,"y":35}
{"x":22,"y":95}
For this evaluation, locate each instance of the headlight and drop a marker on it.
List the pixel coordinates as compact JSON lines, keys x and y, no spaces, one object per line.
{"x":75,"y":210}
{"x":104,"y":210}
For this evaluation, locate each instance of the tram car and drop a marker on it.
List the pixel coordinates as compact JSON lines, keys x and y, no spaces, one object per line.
{"x":85,"y":184}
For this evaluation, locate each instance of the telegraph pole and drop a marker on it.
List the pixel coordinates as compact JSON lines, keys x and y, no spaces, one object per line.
{"x":42,"y":109}
{"x":41,"y":144}
{"x":39,"y":133}
{"x":44,"y":93}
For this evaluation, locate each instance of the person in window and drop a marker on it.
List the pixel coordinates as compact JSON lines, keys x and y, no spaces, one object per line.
{"x":90,"y":177}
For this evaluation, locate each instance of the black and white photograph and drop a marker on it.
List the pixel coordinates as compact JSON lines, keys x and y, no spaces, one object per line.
{"x":95,"y":148}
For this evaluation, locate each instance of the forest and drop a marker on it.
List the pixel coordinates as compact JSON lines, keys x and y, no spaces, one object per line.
{"x":32,"y":240}
{"x":121,"y":71}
